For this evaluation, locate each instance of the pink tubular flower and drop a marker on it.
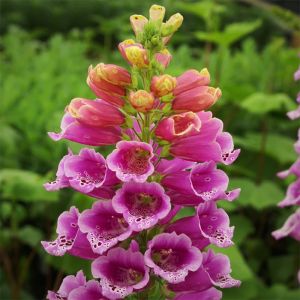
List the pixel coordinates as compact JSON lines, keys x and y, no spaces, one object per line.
{"x":291,"y":227}
{"x":69,"y":284}
{"x":142,"y":204}
{"x":172,"y":256}
{"x":91,"y":291}
{"x":86,"y":172}
{"x":131,"y":161}
{"x":70,"y":239}
{"x":215,"y":271}
{"x":121,"y":272}
{"x":95,"y":113}
{"x":104,"y":227}
{"x":176,"y":126}
{"x":74,"y":131}
{"x":192,"y":93}
{"x":292,"y":195}
{"x":208,"y":294}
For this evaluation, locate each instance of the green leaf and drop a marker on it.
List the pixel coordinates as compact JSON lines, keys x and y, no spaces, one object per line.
{"x":230,"y":35}
{"x":243,"y":227}
{"x":24,"y":185}
{"x":30,"y":235}
{"x":277,"y":146}
{"x":261,"y":103}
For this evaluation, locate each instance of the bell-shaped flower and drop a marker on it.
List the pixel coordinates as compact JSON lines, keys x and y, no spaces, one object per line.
{"x":109,"y":82}
{"x":104,"y":226}
{"x":121,"y":272}
{"x":142,"y":204}
{"x":70,"y":239}
{"x":215,"y":271}
{"x":172,"y":256}
{"x":208,"y":294}
{"x":86,"y":172}
{"x":69,"y":284}
{"x":131,"y":160}
{"x":141,"y":100}
{"x":214,"y":224}
{"x":294,"y":169}
{"x":75,"y":131}
{"x":91,"y":291}
{"x":95,"y":113}
{"x":291,"y":227}
{"x":292,"y":195}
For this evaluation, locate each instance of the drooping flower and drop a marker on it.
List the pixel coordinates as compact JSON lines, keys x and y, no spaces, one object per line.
{"x":121,"y":272}
{"x":291,"y":227}
{"x":91,"y":291}
{"x":86,"y":172}
{"x":104,"y":226}
{"x":208,"y":294}
{"x":215,"y":271}
{"x":70,"y":239}
{"x":69,"y":284}
{"x":97,"y":113}
{"x":141,"y":100}
{"x":292,"y":195}
{"x":109,"y":82}
{"x":172,"y":256}
{"x":131,"y":161}
{"x":142,"y":204}
{"x":80,"y":133}
{"x":294,"y":169}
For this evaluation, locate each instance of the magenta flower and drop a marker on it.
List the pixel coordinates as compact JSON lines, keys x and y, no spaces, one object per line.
{"x":86,"y":172}
{"x":74,"y":131}
{"x":172,"y":256}
{"x":142,"y":204}
{"x":215,"y":271}
{"x":214,"y":224}
{"x":121,"y":272}
{"x":294,"y":169}
{"x":70,"y":239}
{"x":91,"y":291}
{"x":104,"y":227}
{"x":208,"y":294}
{"x":292,"y":195}
{"x":95,"y":113}
{"x":291,"y":227}
{"x":131,"y":161}
{"x":69,"y":284}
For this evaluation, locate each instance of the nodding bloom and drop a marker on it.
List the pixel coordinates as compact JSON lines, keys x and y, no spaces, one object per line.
{"x":75,"y":131}
{"x":208,"y":294}
{"x":192,"y":92}
{"x":86,"y":172}
{"x":141,"y":100}
{"x":70,"y":239}
{"x":97,"y":113}
{"x":91,"y":290}
{"x":69,"y":284}
{"x":121,"y":272}
{"x":291,"y":227}
{"x":209,"y":144}
{"x":172,"y":256}
{"x":214,"y":271}
{"x":104,"y":226}
{"x":109,"y":82}
{"x":131,"y":161}
{"x":142,"y":204}
{"x":292,"y":195}
{"x":163,"y":85}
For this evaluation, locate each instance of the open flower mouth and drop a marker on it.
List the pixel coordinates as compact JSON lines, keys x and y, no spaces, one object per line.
{"x":184,"y":123}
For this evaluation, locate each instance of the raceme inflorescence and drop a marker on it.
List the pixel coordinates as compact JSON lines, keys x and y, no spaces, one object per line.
{"x":167,"y":147}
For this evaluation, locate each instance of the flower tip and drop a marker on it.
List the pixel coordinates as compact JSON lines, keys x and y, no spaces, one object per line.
{"x":204,"y":72}
{"x":157,"y":12}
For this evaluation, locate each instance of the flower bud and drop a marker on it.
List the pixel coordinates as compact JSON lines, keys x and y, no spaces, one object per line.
{"x":163,"y":57}
{"x":113,"y":74}
{"x":172,"y":25}
{"x":141,"y":100}
{"x":163,"y":85}
{"x":95,"y":113}
{"x":157,"y":13}
{"x":137,"y":23}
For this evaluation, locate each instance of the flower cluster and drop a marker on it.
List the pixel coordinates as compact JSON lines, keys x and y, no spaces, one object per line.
{"x":165,"y":159}
{"x":291,"y":226}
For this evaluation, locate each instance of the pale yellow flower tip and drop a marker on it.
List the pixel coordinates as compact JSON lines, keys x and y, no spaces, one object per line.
{"x":157,"y":12}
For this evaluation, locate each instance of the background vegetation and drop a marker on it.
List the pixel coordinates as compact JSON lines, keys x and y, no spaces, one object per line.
{"x":250,"y":48}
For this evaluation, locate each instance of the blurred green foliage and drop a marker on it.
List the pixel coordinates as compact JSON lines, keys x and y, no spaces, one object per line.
{"x":41,"y":71}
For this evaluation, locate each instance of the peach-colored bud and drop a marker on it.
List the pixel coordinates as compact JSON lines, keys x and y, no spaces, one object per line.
{"x":137,"y":23}
{"x":172,"y":24}
{"x":141,"y":100}
{"x":113,"y":74}
{"x":163,"y":85}
{"x":96,"y":113}
{"x":157,"y":13}
{"x":163,"y":57}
